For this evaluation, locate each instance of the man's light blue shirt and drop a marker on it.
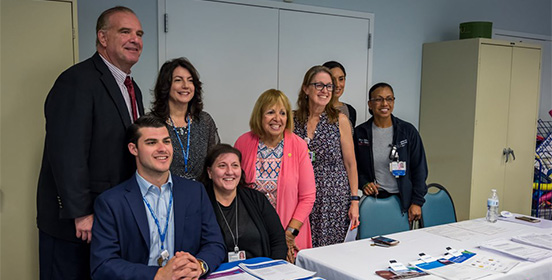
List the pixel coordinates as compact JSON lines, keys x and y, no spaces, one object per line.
{"x":159,"y":201}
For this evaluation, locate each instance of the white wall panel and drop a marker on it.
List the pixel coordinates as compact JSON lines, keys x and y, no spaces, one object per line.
{"x":234,"y":48}
{"x":308,"y":39}
{"x":242,"y":48}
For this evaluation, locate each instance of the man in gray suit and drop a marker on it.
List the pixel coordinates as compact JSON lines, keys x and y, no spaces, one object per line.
{"x":87,"y":112}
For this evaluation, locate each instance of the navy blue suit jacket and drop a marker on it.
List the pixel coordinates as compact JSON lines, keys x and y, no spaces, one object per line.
{"x":120,"y":235}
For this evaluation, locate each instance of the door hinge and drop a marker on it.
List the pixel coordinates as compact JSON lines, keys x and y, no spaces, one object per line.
{"x":369,"y":40}
{"x":166,"y":19}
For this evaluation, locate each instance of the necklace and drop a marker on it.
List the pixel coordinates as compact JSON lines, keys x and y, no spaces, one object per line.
{"x":234,"y":238}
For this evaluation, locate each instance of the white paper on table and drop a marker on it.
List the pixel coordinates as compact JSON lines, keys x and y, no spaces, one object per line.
{"x":276,"y":270}
{"x":541,"y":240}
{"x":518,"y":250}
{"x":351,"y":233}
{"x":495,"y":264}
{"x":451,"y":232}
{"x":234,"y":273}
{"x":459,"y":272}
{"x":480,"y":226}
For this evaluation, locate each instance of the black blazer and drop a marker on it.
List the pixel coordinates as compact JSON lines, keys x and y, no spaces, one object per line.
{"x":85,"y":151}
{"x":265,"y":218}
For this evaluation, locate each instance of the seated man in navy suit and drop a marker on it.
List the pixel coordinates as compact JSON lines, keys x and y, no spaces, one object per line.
{"x":154,"y":225}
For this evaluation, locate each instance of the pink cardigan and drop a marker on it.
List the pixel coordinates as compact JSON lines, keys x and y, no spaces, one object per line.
{"x":296,"y":190}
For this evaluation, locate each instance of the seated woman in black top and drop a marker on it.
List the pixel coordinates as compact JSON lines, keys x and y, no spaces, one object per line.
{"x":249,"y":224}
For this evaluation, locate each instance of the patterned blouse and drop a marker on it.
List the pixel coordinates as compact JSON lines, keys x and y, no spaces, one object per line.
{"x":268,"y":169}
{"x":204,"y":135}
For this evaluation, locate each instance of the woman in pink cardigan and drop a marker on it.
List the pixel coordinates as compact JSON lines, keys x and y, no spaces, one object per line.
{"x":276,"y":162}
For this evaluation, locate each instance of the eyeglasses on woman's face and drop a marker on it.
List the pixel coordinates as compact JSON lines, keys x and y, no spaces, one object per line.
{"x":379,"y":100}
{"x":321,"y":86}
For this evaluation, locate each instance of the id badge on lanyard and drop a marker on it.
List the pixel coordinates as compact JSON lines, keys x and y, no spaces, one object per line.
{"x":236,"y":256}
{"x":396,"y":167}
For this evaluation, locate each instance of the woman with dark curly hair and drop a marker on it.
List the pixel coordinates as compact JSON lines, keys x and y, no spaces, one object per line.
{"x":178,"y":100}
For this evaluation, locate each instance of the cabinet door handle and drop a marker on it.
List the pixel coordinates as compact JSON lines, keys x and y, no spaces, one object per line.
{"x":512,"y":153}
{"x":507,"y":152}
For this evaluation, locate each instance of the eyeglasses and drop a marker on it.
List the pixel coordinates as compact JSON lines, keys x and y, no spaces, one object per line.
{"x":321,"y":86}
{"x":379,"y":100}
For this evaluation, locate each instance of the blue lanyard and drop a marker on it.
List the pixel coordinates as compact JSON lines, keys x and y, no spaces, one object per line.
{"x":187,"y":153}
{"x":163,"y":234}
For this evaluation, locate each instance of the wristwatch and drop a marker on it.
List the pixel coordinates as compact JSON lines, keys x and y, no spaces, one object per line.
{"x":355,"y":197}
{"x":293,"y":231}
{"x":204,"y":267}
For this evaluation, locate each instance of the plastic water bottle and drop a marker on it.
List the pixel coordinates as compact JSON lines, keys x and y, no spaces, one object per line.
{"x":492,"y":207}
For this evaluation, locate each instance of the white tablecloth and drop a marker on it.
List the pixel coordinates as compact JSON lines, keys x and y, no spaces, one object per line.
{"x":359,"y":260}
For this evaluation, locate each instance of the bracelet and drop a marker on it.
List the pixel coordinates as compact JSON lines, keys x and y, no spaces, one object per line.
{"x":355,"y":197}
{"x":293,"y":231}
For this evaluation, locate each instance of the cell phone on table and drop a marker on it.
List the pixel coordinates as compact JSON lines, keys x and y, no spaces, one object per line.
{"x":528,"y":219}
{"x":385,"y":240}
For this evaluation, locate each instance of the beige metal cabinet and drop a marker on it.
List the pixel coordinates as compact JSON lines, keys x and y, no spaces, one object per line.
{"x":479,"y":105}
{"x":37,"y":43}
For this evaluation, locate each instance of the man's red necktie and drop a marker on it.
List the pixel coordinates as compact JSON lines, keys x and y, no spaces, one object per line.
{"x":130,"y":89}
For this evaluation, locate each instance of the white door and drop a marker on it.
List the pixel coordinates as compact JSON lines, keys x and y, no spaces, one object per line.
{"x":235,"y":50}
{"x":37,"y":45}
{"x":308,"y":39}
{"x":242,"y":49}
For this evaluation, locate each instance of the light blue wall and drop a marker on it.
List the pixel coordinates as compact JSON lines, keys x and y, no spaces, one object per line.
{"x":400,"y":29}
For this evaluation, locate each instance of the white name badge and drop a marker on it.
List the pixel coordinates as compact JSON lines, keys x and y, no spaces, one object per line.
{"x":426,"y":258}
{"x":397,"y":266}
{"x":453,"y":252}
{"x":397,"y":168}
{"x":239,"y":256}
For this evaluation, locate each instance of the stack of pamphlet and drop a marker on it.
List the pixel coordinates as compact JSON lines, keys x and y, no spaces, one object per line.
{"x":541,"y":240}
{"x":269,"y":270}
{"x":447,"y":269}
{"x":453,"y":265}
{"x":412,"y":272}
{"x":522,"y":251}
{"x":492,"y":264}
